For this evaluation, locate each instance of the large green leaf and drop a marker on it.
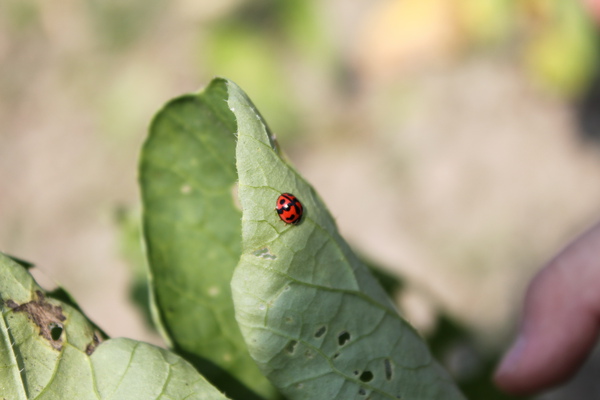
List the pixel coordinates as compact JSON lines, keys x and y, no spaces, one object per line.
{"x":316,"y":321}
{"x":49,"y":350}
{"x":192,"y":235}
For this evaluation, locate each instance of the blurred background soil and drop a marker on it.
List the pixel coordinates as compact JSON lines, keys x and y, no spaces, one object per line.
{"x":455,"y":141}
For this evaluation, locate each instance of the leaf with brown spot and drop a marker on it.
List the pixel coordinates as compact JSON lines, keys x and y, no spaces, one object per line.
{"x":48,"y":317}
{"x":50,"y":350}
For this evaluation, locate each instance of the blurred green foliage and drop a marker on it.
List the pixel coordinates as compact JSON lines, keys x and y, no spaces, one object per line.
{"x":557,"y":41}
{"x":264,"y":41}
{"x":118,"y":25}
{"x":562,"y":53}
{"x":128,"y":222}
{"x":97,"y":46}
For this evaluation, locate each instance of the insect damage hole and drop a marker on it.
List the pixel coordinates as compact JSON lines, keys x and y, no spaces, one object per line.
{"x":55,"y":331}
{"x":235,"y":197}
{"x":343,"y":338}
{"x":366,"y":376}
{"x":320,"y":332}
{"x":291,"y":346}
{"x":387,"y":366}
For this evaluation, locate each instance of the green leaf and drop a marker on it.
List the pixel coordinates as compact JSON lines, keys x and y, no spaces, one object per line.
{"x":22,"y":263}
{"x":316,"y":321}
{"x":192,"y":235}
{"x":49,"y":350}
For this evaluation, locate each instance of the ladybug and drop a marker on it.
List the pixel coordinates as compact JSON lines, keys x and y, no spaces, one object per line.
{"x":289,"y":208}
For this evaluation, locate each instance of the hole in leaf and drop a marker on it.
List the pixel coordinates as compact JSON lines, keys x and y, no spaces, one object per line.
{"x":291,"y":346}
{"x":366,"y":376}
{"x":387,"y":365}
{"x":320,"y":332}
{"x":343,"y":338}
{"x":235,"y":197}
{"x":55,"y":331}
{"x":362,"y":391}
{"x":264,"y":253}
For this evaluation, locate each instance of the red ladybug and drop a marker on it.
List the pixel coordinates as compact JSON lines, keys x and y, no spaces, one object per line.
{"x":289,"y":208}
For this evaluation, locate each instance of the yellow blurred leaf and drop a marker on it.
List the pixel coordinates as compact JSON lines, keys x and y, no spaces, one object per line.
{"x":403,"y":35}
{"x":562,"y":53}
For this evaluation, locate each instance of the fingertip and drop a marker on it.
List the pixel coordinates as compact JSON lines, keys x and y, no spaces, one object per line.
{"x":531,"y":366}
{"x":515,"y":373}
{"x":560,"y":322}
{"x":509,"y":365}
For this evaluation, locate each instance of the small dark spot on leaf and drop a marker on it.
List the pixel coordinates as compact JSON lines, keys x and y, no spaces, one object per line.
{"x":387,"y":365}
{"x":291,"y":346}
{"x":343,"y":338}
{"x":356,"y":372}
{"x":308,"y":354}
{"x":11,"y":304}
{"x":320,"y":332}
{"x":362,"y":391}
{"x":91,"y":347}
{"x":336,"y":355}
{"x":366,"y":376}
